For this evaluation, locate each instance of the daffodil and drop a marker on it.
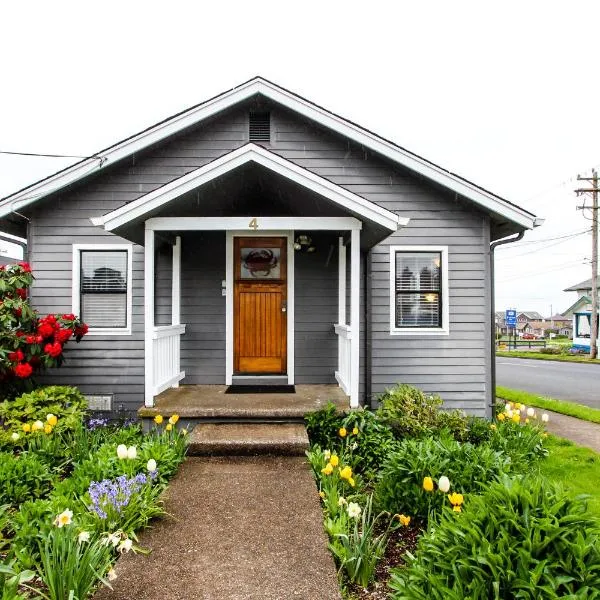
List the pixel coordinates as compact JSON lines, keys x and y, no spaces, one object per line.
{"x":26,"y":427}
{"x":322,"y":494}
{"x":158,"y":419}
{"x":327,"y":469}
{"x":51,"y":419}
{"x":351,"y":481}
{"x":354,"y":510}
{"x":326,"y":454}
{"x":173,"y":419}
{"x":342,"y":501}
{"x":111,"y":539}
{"x":84,"y":536}
{"x":122,"y":451}
{"x":183,"y":431}
{"x":334,"y":460}
{"x":65,"y":518}
{"x":345,"y":472}
{"x":444,"y":484}
{"x":125,"y":545}
{"x":169,"y":427}
{"x":343,"y":433}
{"x":404,"y":520}
{"x":151,"y":465}
{"x":428,"y":484}
{"x":111,"y":575}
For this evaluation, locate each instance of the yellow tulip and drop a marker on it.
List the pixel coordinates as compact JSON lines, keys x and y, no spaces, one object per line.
{"x":501,"y":417}
{"x":516,"y":418}
{"x":355,"y":431}
{"x":47,"y":428}
{"x":492,"y":426}
{"x":169,"y":427}
{"x":457,"y":508}
{"x":26,"y":427}
{"x":428,"y":484}
{"x":158,"y":419}
{"x":334,"y":460}
{"x":52,"y":420}
{"x":343,"y":433}
{"x":456,"y":499}
{"x":351,"y":481}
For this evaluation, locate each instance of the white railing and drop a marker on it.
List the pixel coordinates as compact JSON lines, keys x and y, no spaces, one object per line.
{"x":343,"y":374}
{"x":166,"y":356}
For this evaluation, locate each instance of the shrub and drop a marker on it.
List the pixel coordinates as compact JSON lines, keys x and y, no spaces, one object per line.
{"x":469,"y":468}
{"x":551,"y":350}
{"x":28,"y":343}
{"x":412,"y":413}
{"x":520,"y":539}
{"x":23,"y":477}
{"x":323,"y":425}
{"x":66,"y":403}
{"x":523,"y":444}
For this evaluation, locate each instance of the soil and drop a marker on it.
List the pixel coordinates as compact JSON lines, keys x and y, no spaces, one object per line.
{"x":401,"y":540}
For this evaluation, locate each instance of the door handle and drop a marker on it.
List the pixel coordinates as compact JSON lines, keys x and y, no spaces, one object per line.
{"x":284,"y":306}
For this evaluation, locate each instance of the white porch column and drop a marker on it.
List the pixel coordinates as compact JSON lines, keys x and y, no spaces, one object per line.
{"x":341,"y":282}
{"x":354,"y":316}
{"x":176,"y":283}
{"x":148,"y":317}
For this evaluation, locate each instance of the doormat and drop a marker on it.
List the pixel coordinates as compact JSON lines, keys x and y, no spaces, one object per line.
{"x":261,"y":389}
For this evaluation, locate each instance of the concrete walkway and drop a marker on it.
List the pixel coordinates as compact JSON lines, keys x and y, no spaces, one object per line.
{"x":241,"y":528}
{"x":581,"y":432}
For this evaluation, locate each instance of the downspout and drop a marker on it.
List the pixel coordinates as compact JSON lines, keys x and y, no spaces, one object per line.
{"x":493,"y":246}
{"x":367,"y":315}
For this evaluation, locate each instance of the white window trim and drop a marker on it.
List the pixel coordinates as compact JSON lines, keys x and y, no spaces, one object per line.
{"x":75,"y":294}
{"x":420,"y":331}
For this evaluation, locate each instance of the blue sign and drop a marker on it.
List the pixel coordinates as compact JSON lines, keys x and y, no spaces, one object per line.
{"x":511,"y":318}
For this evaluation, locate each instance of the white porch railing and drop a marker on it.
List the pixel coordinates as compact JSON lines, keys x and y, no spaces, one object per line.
{"x":343,"y":373}
{"x":166,"y":357}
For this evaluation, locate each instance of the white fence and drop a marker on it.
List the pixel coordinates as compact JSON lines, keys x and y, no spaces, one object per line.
{"x":166,"y":352}
{"x":343,"y":374}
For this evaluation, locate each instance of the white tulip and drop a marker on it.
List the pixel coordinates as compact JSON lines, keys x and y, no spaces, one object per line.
{"x":523,"y":408}
{"x":530,"y":412}
{"x":122,"y":451}
{"x":509,"y":414}
{"x":132,"y":452}
{"x":15,"y":436}
{"x":151,"y":465}
{"x":545,"y":418}
{"x":507,"y":407}
{"x":444,"y":484}
{"x":354,"y":510}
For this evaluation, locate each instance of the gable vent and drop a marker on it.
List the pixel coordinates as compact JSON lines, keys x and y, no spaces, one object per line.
{"x":260,"y":127}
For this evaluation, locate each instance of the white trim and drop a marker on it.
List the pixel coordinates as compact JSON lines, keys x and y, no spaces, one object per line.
{"x":176,"y":283}
{"x":173,"y":382}
{"x":341,"y":281}
{"x":354,"y":317}
{"x":420,"y":331}
{"x":249,"y":153}
{"x":76,"y":283}
{"x":229,"y":282}
{"x":149,"y":318}
{"x":295,"y":103}
{"x":246,"y":224}
{"x":162,"y":331}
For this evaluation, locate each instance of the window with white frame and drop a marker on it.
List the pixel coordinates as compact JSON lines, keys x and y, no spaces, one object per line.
{"x":419,"y":289}
{"x":102,"y":286}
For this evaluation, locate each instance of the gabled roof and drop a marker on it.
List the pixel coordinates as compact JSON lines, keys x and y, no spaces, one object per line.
{"x":531,"y":315}
{"x":259,"y":86}
{"x":580,"y":302}
{"x":235,"y":159}
{"x":584,"y":285}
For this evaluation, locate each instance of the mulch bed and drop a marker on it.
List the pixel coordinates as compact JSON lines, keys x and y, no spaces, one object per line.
{"x":401,"y":540}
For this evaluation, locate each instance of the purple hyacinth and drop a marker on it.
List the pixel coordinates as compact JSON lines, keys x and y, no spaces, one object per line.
{"x":97,"y":422}
{"x":108,"y":496}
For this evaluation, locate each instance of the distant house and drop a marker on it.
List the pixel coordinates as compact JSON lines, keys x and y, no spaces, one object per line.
{"x":501,"y":328}
{"x":527,"y":317}
{"x":580,"y":312}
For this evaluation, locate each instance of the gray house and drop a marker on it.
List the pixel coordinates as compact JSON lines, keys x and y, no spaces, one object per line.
{"x":260,"y":238}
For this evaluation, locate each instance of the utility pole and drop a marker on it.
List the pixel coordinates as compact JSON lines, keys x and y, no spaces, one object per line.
{"x":594,"y":191}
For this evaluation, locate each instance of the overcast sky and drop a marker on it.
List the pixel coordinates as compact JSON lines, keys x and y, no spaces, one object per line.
{"x":506,"y":96}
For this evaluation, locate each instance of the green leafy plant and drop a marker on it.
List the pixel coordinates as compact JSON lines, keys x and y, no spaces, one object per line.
{"x":11,"y":579}
{"x":359,"y":549}
{"x":23,"y":477}
{"x":323,"y":425}
{"x":469,"y":468}
{"x":519,"y":539}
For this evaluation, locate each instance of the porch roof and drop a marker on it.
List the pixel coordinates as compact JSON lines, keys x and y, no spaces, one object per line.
{"x":148,"y":205}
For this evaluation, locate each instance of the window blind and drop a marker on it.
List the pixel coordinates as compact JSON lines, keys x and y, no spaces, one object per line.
{"x":418,"y":289}
{"x":104,"y":288}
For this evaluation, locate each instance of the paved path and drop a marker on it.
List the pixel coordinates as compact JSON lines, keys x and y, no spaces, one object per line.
{"x":241,"y":528}
{"x":581,"y":432}
{"x":577,"y":382}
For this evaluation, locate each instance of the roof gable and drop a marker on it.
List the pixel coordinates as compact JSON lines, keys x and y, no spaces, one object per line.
{"x":258,"y":86}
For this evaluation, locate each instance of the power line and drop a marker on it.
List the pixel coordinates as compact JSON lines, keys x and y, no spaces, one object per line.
{"x":560,"y":241}
{"x":542,"y":240}
{"x":556,"y":268}
{"x":46,"y":155}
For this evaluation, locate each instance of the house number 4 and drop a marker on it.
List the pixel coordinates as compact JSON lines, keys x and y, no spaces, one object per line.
{"x":253,"y":224}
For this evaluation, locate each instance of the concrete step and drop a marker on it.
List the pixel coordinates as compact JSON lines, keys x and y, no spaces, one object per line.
{"x":243,"y":439}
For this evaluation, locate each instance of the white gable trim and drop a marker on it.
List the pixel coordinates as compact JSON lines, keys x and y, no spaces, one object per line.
{"x":295,"y":103}
{"x":249,"y":153}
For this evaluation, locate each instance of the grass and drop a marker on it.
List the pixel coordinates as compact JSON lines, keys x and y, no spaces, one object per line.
{"x":576,"y":468}
{"x":572,"y":409}
{"x":580,"y":358}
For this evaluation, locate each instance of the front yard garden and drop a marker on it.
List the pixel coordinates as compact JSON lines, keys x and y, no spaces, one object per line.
{"x":74,"y":492}
{"x":424,"y":504}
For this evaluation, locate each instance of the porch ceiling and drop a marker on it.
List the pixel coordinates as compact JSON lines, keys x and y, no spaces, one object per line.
{"x":252,"y":188}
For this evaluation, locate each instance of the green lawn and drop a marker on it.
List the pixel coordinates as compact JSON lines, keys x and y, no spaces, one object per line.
{"x":577,"y":469}
{"x":572,"y":409}
{"x":580,"y":358}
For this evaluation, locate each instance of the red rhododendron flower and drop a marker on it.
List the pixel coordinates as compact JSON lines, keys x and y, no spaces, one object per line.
{"x":81,"y":329}
{"x":17,"y":356}
{"x":53,"y":350}
{"x":18,"y":312}
{"x":50,"y":319}
{"x":25,"y":266}
{"x":45,"y":330}
{"x":69,"y":317}
{"x":30,"y":339}
{"x":35,"y":361}
{"x":22,"y":293}
{"x":20,"y":333}
{"x":63,"y":335}
{"x":23,"y":370}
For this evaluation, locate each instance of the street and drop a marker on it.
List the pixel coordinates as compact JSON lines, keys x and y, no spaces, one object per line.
{"x":577,"y":382}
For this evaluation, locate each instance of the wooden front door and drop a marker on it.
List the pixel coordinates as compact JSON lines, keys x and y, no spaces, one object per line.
{"x":260,"y":305}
